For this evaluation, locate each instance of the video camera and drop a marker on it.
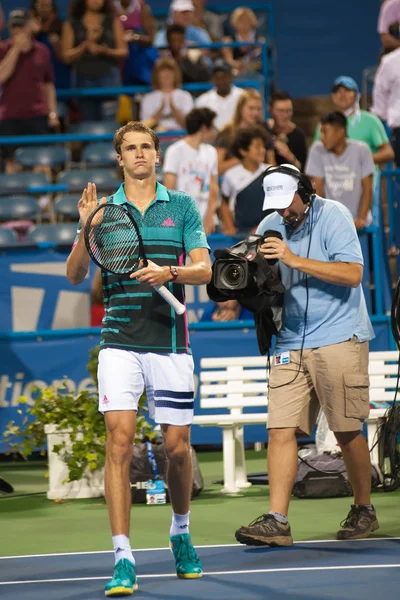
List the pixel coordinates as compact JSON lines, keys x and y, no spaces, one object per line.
{"x":242,"y":273}
{"x":242,"y":269}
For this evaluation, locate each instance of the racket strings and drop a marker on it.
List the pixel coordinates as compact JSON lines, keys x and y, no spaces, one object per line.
{"x":113,"y":239}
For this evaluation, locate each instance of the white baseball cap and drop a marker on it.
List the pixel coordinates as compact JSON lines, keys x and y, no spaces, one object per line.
{"x":182,"y":5}
{"x":279,"y":188}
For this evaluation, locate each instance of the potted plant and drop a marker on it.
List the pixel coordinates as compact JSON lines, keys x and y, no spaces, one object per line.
{"x":75,"y":434}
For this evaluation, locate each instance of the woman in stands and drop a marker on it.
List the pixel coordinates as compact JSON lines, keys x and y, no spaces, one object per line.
{"x":93,"y":42}
{"x":243,"y":59}
{"x":139,"y":28}
{"x":248,"y":113}
{"x":47,"y":29}
{"x":165,"y":108}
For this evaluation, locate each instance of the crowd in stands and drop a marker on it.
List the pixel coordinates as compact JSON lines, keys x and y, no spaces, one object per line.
{"x":229,"y":142}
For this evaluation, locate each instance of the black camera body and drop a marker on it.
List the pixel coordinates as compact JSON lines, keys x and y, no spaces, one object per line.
{"x":242,"y":273}
{"x":242,"y":267}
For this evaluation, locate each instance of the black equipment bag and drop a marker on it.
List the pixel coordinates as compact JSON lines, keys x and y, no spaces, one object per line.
{"x":140,"y":471}
{"x":325,"y":476}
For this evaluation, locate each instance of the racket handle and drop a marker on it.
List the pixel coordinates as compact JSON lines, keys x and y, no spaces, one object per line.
{"x":178,"y":307}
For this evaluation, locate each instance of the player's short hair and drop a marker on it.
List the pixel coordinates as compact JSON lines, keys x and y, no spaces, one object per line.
{"x":244,"y":138}
{"x":198,"y":117}
{"x":134,"y":126}
{"x":335,"y":118}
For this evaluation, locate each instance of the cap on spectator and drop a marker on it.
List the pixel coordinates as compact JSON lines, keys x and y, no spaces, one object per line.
{"x":18,"y":16}
{"x":221,"y":65}
{"x":279,"y":189}
{"x":347,"y":82}
{"x":182,"y":5}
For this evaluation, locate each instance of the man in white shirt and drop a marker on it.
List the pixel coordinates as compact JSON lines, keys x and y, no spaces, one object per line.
{"x":224,"y":96}
{"x":342,"y":169}
{"x":191,"y":165}
{"x":386,"y":97}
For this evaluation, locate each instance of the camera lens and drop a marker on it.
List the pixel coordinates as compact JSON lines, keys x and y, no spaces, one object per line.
{"x":233,"y":275}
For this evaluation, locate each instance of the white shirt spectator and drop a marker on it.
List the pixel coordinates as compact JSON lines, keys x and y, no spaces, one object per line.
{"x":389,"y":13}
{"x":223,"y":106}
{"x":386,"y":92}
{"x":342,"y":174}
{"x":152,"y":102}
{"x":236,"y":179}
{"x":193,"y":169}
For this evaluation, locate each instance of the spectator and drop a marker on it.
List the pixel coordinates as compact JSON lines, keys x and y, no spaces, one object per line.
{"x":361,"y":125}
{"x":386,"y":97}
{"x":93,"y":42}
{"x":165,"y":108}
{"x":388,"y":24}
{"x":223,"y":97}
{"x":191,"y":61}
{"x":139,"y":28}
{"x":242,"y":191}
{"x":243,"y":59}
{"x":47,"y":30}
{"x":191,"y":165}
{"x":290,"y":142}
{"x":248,"y":112}
{"x":28,"y":100}
{"x":207,"y":20}
{"x":182,"y":13}
{"x":226,"y":311}
{"x":342,"y":169}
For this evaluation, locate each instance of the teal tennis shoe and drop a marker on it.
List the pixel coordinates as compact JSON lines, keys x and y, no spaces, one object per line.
{"x":124,"y":579}
{"x":188,"y":565}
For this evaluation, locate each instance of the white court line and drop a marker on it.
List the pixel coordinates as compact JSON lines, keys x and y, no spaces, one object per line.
{"x":237,"y":545}
{"x":212,"y":573}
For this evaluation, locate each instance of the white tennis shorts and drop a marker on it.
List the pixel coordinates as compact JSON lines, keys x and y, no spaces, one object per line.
{"x":168,"y":379}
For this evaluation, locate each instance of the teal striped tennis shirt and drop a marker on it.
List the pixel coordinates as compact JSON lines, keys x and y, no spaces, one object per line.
{"x":136,"y":316}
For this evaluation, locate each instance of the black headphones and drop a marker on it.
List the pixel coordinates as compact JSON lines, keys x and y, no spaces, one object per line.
{"x":305,"y":187}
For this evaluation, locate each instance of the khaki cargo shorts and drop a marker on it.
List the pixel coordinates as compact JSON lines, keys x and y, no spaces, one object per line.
{"x":334,"y":378}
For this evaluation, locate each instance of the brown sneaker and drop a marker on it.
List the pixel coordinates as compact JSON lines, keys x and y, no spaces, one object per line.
{"x":359,"y":523}
{"x":265,"y":531}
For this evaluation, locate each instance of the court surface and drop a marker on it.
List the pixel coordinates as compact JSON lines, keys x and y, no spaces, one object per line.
{"x":322,"y":569}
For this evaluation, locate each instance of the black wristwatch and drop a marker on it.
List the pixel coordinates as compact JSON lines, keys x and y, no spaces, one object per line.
{"x":174,"y":273}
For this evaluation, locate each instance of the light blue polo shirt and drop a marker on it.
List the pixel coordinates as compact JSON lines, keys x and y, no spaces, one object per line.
{"x":335,"y":312}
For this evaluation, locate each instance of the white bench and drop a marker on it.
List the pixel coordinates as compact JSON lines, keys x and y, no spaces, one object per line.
{"x":236,"y":383}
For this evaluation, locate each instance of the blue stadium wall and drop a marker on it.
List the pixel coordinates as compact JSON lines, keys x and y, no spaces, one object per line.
{"x":316,"y":39}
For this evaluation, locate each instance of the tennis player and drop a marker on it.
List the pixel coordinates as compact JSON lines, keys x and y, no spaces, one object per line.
{"x":145,"y":344}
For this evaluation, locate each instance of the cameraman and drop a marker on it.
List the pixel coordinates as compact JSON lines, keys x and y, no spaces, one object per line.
{"x":321,"y":355}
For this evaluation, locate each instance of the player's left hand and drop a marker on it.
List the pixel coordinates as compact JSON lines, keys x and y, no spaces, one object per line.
{"x":152,"y":274}
{"x":274,"y":248}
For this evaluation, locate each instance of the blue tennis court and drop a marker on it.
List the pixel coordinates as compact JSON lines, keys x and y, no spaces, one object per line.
{"x":317,"y":569}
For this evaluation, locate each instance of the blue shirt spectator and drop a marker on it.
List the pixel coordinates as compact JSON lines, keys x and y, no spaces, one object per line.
{"x":182,"y":13}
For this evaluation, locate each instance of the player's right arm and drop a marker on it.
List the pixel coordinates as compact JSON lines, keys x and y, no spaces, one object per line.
{"x":78,"y":260}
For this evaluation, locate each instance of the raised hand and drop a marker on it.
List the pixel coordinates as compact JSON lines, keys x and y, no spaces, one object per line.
{"x":88,"y":202}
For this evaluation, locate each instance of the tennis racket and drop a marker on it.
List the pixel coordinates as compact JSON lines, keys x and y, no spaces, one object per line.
{"x":114,"y":243}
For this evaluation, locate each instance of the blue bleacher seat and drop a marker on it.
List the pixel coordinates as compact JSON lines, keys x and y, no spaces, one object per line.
{"x":99,"y":154}
{"x":18,"y":207}
{"x":66,"y":205}
{"x":19,"y":182}
{"x":95,"y":127}
{"x":52,"y":156}
{"x":8,"y":237}
{"x":61,"y":234}
{"x":105,"y":179}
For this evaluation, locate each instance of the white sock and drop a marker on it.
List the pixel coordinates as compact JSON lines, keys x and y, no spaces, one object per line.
{"x":279,"y":517}
{"x":122,"y":548}
{"x":180,"y":524}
